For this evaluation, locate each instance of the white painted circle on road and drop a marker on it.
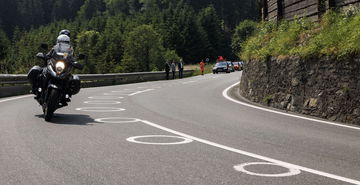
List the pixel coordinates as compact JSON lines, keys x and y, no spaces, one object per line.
{"x":105,"y":97}
{"x":100,"y":109}
{"x":135,"y":140}
{"x":117,"y":120}
{"x":102,"y":102}
{"x":291,"y":171}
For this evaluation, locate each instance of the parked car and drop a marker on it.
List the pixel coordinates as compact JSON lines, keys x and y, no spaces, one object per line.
{"x":236,"y":66}
{"x":231,"y":66}
{"x":221,"y":67}
{"x":240,"y":65}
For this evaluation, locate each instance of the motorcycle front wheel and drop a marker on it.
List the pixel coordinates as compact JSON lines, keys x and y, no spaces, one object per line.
{"x":51,"y":104}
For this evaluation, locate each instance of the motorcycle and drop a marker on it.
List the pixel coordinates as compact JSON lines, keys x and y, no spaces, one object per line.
{"x":54,"y":84}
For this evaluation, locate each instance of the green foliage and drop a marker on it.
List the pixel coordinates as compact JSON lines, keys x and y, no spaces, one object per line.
{"x":337,"y":34}
{"x":183,"y":33}
{"x":28,"y":14}
{"x":87,"y":44}
{"x":243,"y":31}
{"x":104,"y":31}
{"x":117,"y":6}
{"x":4,"y":43}
{"x":231,"y":12}
{"x":21,"y":52}
{"x":208,"y":69}
{"x":91,"y":8}
{"x":212,"y":33}
{"x":171,"y":55}
{"x":143,"y":50}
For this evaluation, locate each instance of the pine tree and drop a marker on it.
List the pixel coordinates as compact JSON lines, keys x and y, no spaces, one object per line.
{"x":212,"y":28}
{"x":91,"y":8}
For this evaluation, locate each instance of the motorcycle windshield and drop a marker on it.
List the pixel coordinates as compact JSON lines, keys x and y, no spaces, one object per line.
{"x":62,"y":51}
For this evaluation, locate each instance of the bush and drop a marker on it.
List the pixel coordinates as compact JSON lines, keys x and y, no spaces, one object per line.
{"x":243,"y":31}
{"x":337,"y":34}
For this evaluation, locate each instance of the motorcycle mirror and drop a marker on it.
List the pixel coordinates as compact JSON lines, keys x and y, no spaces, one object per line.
{"x":44,"y":46}
{"x":81,"y":57}
{"x":41,"y":56}
{"x":77,"y":65}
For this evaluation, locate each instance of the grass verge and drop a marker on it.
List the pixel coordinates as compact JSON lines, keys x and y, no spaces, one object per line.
{"x":336,"y":34}
{"x":196,"y":68}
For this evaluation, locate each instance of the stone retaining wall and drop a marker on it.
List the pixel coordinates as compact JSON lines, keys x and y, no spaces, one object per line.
{"x":325,"y":87}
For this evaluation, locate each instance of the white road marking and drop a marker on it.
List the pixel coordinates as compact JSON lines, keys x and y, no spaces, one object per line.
{"x":278,"y":162}
{"x":134,"y":140}
{"x":188,"y":82}
{"x":114,"y":94}
{"x":117,"y":120}
{"x":225,"y":94}
{"x":15,"y":98}
{"x":123,"y":91}
{"x":100,"y":109}
{"x":138,"y":92}
{"x":291,"y":171}
{"x":102,"y":102}
{"x":105,"y":97}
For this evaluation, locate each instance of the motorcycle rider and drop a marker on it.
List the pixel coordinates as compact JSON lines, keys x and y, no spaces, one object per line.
{"x":37,"y":75}
{"x":62,"y":41}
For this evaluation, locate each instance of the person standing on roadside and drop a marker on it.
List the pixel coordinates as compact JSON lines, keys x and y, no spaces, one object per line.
{"x":173,"y":69}
{"x":181,"y":69}
{"x":167,"y":69}
{"x":202,"y":67}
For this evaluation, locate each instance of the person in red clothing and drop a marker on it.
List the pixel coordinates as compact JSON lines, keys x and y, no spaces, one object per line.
{"x":202,"y":67}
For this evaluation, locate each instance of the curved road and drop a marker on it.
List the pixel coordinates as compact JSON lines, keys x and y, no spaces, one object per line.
{"x":170,"y":132}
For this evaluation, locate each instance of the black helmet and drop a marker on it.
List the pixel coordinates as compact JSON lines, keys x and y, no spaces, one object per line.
{"x":65,"y":32}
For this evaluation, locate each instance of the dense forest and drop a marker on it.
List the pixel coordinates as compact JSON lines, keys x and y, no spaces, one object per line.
{"x":121,"y":35}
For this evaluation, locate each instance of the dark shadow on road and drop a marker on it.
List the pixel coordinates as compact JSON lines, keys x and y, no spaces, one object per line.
{"x":70,"y":119}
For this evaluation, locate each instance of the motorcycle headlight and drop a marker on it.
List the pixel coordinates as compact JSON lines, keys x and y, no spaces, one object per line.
{"x":59,"y":66}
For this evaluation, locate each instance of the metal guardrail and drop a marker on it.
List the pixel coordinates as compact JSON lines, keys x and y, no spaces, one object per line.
{"x":13,"y":79}
{"x":18,"y":84}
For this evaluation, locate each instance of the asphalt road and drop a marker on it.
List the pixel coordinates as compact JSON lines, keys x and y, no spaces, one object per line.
{"x":170,"y":132}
